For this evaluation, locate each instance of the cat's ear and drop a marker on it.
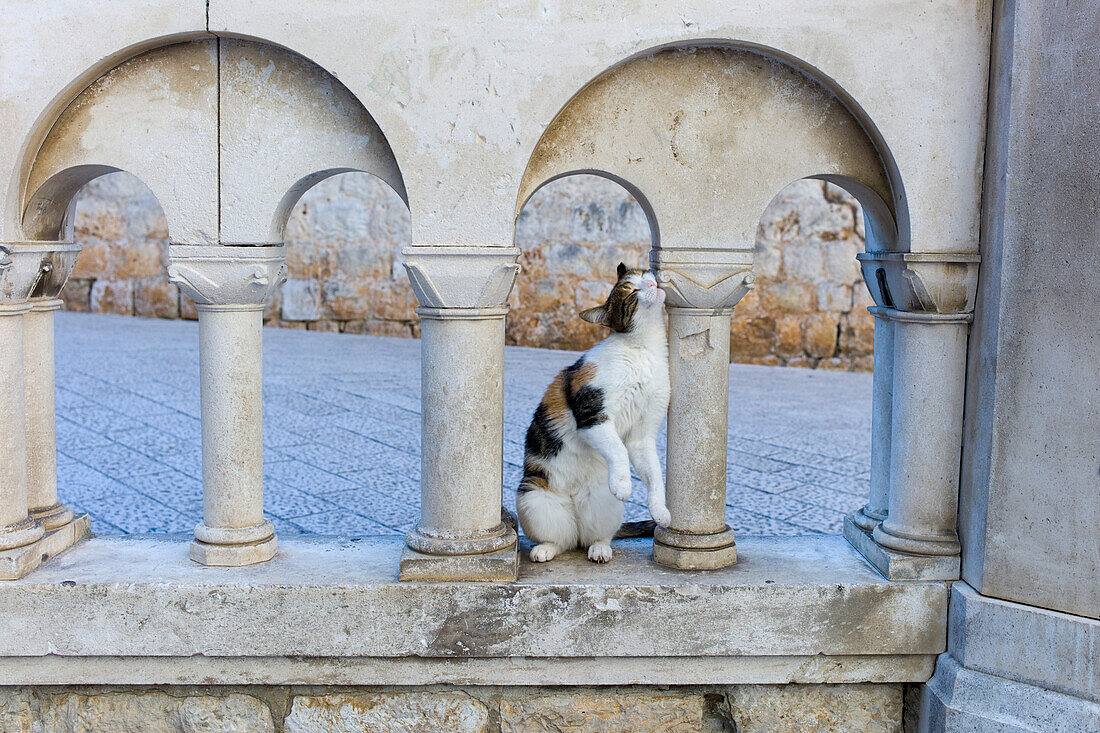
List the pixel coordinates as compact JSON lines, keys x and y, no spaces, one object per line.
{"x":597,"y":315}
{"x":623,"y":269}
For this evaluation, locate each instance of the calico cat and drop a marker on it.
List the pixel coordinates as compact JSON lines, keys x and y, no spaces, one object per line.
{"x":598,"y":417}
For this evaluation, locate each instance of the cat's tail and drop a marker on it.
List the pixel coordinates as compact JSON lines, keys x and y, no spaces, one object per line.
{"x":631,"y":530}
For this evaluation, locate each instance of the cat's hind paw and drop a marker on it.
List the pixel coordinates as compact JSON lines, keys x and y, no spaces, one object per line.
{"x":620,"y":487}
{"x":600,"y":552}
{"x":660,"y":515}
{"x":544,"y":552}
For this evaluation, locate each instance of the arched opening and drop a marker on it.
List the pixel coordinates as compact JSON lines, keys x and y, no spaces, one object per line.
{"x":126,"y":392}
{"x":572,"y":232}
{"x":342,"y":416}
{"x":712,"y":133}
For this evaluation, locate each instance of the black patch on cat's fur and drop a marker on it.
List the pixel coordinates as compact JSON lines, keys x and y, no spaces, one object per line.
{"x":541,"y":438}
{"x":534,"y":477}
{"x":586,"y":403}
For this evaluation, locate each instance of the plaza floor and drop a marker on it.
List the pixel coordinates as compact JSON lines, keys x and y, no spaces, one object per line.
{"x":342,"y":438}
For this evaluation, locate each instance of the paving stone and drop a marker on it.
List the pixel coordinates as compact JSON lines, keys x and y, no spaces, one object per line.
{"x":287,"y":502}
{"x":820,"y":519}
{"x":341,"y":523}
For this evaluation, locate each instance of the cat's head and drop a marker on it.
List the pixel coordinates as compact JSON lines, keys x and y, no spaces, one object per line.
{"x":635,"y":299}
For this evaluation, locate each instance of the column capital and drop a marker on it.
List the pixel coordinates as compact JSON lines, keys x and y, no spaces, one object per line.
{"x":462,"y":278}
{"x":224,"y":275}
{"x":712,"y":281}
{"x":922,"y":282}
{"x":34,"y":269}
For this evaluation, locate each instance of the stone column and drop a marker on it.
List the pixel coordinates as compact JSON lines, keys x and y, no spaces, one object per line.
{"x":881,"y":408}
{"x":701,"y":295}
{"x":463,"y":293}
{"x":926,"y":434}
{"x":38,"y":359}
{"x":230,"y":285}
{"x":19,"y":274}
{"x":925,"y":302}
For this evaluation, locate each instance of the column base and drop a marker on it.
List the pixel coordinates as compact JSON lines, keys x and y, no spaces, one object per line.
{"x":16,"y":563}
{"x":895,"y":565}
{"x":865,"y":520}
{"x":250,"y":553}
{"x":54,"y":516}
{"x":694,"y":551}
{"x":887,"y":538}
{"x":501,"y":565}
{"x":20,"y":534}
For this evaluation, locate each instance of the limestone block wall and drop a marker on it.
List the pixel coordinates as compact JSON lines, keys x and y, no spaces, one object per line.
{"x":345,"y":237}
{"x":871,"y":708}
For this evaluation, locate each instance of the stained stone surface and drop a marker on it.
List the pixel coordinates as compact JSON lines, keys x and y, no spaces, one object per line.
{"x":598,"y":712}
{"x":866,"y":708}
{"x":141,"y":711}
{"x":800,"y":708}
{"x":342,"y":432}
{"x":409,"y":712}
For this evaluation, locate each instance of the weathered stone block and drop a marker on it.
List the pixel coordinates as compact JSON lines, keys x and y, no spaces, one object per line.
{"x":801,"y":708}
{"x":382,"y":712}
{"x":602,"y":711}
{"x":77,"y":295}
{"x":156,"y":298}
{"x":113,"y":296}
{"x":152,"y":712}
{"x":301,"y":300}
{"x":821,"y":336}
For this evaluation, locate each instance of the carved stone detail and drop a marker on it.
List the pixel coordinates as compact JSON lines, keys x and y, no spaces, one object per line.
{"x":704,"y":279}
{"x":922,"y":282}
{"x":461,"y":276}
{"x":22,"y":269}
{"x":227,"y":275}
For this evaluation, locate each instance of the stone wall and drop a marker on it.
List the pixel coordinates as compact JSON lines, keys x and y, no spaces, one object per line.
{"x":345,"y":236}
{"x":868,"y":708}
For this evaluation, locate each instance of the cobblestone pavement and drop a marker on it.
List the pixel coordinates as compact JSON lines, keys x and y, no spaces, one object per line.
{"x":342,"y":439}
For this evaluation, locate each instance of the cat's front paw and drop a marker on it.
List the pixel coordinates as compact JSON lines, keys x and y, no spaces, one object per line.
{"x":544,"y":552}
{"x":620,"y":487}
{"x":660,"y":515}
{"x":600,"y":553}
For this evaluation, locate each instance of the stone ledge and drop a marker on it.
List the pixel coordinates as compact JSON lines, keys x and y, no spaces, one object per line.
{"x":332,"y":611}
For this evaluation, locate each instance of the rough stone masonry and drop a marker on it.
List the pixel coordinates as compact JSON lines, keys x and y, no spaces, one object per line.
{"x":345,"y":236}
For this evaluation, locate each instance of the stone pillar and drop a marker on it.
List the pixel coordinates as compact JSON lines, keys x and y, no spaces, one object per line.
{"x":230,"y":285}
{"x":925,"y":302}
{"x":701,"y":295}
{"x":463,"y":293}
{"x":882,"y":392}
{"x":17,"y":528}
{"x":38,"y":360}
{"x":926,"y":434}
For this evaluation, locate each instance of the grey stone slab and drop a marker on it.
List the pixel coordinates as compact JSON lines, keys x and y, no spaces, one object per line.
{"x":172,"y":488}
{"x":347,"y":591}
{"x":761,"y":502}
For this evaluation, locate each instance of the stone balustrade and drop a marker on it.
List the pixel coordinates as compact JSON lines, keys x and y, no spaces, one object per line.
{"x":34,"y":525}
{"x":924,"y":305}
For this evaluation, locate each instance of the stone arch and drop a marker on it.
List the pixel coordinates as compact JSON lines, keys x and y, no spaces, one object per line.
{"x":569,"y":253}
{"x":227,"y":133}
{"x":153,"y":115}
{"x":711,"y":132}
{"x":286,"y":125}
